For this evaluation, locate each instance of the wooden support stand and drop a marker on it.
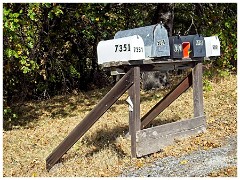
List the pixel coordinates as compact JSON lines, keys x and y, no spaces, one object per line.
{"x":153,"y":139}
{"x":143,"y":141}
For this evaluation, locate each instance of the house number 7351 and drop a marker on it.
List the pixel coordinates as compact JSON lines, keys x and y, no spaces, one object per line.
{"x":122,"y":47}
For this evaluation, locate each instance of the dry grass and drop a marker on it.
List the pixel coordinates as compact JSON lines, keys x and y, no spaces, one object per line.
{"x":103,"y":150}
{"x":226,"y":172}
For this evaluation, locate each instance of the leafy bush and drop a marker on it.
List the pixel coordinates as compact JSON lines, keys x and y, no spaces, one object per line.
{"x":50,"y":48}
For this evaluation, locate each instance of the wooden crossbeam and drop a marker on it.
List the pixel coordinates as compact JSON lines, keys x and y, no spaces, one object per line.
{"x":154,"y":139}
{"x":108,"y":100}
{"x":166,"y":101}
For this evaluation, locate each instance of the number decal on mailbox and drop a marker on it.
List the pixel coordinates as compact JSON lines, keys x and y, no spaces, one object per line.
{"x":126,"y":47}
{"x":161,"y":42}
{"x":177,"y":48}
{"x":215,"y":47}
{"x":199,"y":42}
{"x":121,"y":48}
{"x":138,"y":49}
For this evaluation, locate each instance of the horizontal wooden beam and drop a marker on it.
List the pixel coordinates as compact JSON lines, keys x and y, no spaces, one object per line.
{"x":108,"y":100}
{"x":152,"y":61}
{"x":154,"y":139}
{"x":166,"y":101}
{"x":151,"y":65}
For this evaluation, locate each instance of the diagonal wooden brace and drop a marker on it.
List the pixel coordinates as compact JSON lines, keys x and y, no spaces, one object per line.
{"x":166,"y":101}
{"x":108,"y":100}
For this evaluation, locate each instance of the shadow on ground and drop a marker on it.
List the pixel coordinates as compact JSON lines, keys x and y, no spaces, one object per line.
{"x":107,"y":138}
{"x":70,"y":105}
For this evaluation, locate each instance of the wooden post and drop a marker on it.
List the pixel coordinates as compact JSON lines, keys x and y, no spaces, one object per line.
{"x":197,"y":90}
{"x":134,"y":113}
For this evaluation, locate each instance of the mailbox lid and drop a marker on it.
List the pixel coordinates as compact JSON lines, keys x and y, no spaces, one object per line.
{"x":160,"y":45}
{"x":145,"y":32}
{"x":175,"y":43}
{"x":188,"y":38}
{"x":122,"y":49}
{"x":212,"y":46}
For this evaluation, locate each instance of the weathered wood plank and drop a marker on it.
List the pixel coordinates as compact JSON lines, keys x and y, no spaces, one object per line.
{"x":197,"y":90}
{"x":136,"y":101}
{"x":156,"y":138}
{"x":134,"y":116}
{"x":151,"y":65}
{"x":149,"y":61}
{"x":167,"y":100}
{"x":108,"y":100}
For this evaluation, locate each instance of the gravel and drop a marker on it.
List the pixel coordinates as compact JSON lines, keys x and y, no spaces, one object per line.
{"x":197,"y":164}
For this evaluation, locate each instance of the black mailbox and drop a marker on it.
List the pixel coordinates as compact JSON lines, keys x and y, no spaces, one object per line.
{"x":176,"y":49}
{"x":197,"y":45}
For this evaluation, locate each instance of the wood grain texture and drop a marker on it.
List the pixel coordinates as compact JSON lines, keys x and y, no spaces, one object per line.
{"x":134,"y":116}
{"x":154,"y":139}
{"x":197,"y":90}
{"x":107,"y":101}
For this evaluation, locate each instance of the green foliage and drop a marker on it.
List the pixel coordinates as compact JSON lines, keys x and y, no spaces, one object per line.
{"x":207,"y":85}
{"x":223,"y":72}
{"x":9,"y":116}
{"x":221,"y":20}
{"x":50,"y":48}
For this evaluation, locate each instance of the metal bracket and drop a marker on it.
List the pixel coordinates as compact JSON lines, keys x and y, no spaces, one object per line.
{"x":129,"y":101}
{"x":117,"y":71}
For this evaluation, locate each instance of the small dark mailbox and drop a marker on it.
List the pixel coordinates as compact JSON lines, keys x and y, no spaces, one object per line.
{"x":176,"y":47}
{"x":155,"y":39}
{"x":196,"y":48}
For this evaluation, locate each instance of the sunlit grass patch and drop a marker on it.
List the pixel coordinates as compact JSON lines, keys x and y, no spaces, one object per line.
{"x":104,"y":150}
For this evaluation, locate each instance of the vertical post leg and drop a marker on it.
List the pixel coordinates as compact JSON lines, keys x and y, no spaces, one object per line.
{"x":197,"y":90}
{"x":134,"y":113}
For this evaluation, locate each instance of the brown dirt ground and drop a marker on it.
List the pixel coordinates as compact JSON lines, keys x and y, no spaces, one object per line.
{"x":103,"y":150}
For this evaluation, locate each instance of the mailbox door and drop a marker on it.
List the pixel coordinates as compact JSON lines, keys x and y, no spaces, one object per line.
{"x":160,"y":42}
{"x":122,"y":49}
{"x":176,"y":47}
{"x":137,"y":48}
{"x":212,"y":46}
{"x":199,"y":46}
{"x":215,"y":46}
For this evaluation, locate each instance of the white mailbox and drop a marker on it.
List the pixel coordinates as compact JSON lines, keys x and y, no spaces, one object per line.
{"x":212,"y":45}
{"x":122,"y":49}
